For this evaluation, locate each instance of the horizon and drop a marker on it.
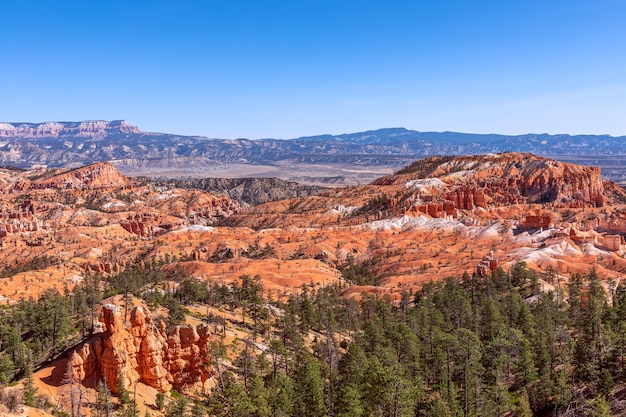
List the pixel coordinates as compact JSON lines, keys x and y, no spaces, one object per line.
{"x":284,"y":70}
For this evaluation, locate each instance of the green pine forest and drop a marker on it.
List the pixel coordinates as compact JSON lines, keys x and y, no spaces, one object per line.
{"x":465,"y":346}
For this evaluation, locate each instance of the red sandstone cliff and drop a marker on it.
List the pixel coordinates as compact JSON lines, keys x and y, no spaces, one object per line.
{"x":468,"y":182}
{"x":511,"y":178}
{"x":144,"y":352}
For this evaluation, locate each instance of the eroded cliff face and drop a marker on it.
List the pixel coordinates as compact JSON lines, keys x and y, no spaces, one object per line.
{"x":514,"y":178}
{"x":142,"y":351}
{"x":500,"y":180}
{"x":85,"y":129}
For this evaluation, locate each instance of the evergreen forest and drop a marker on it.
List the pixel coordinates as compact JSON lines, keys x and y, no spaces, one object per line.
{"x":498,"y":345}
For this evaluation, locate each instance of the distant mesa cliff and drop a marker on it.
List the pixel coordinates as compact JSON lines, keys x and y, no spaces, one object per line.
{"x":86,"y":129}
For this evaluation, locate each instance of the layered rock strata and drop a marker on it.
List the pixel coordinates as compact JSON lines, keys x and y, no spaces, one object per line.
{"x":84,"y":129}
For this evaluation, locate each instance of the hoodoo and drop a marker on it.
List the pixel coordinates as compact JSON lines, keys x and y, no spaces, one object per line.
{"x":144,"y":352}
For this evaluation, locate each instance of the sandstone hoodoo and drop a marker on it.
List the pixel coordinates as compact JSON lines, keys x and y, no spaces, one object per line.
{"x":143,"y":351}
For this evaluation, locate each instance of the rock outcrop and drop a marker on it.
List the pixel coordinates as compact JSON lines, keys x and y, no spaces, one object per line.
{"x":494,"y":180}
{"x":467,"y":198}
{"x":513,"y":178}
{"x":537,"y":222}
{"x":98,"y":175}
{"x":488,"y":264}
{"x":438,"y":209}
{"x":144,"y":352}
{"x":139,"y":228}
{"x":613,"y":242}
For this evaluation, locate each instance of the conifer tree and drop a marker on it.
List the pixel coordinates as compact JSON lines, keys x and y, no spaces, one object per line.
{"x":30,"y":390}
{"x":123,"y":394}
{"x":104,"y":406}
{"x":309,"y":397}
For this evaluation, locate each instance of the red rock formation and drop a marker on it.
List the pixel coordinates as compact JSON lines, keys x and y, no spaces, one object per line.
{"x":467,"y":198}
{"x":138,"y":228}
{"x":486,"y":265}
{"x":103,"y":267}
{"x":220,"y":206}
{"x":613,"y":242}
{"x":143,"y":352}
{"x":436,"y":209}
{"x":511,"y":178}
{"x":536,"y":222}
{"x":616,"y":225}
{"x":583,"y":237}
{"x":35,"y":242}
{"x":98,"y":175}
{"x":23,"y":226}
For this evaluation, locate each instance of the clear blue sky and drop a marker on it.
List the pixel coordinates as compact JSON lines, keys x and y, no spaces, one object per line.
{"x":293,"y":68}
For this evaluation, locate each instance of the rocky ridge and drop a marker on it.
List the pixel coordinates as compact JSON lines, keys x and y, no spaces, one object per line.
{"x":505,"y":179}
{"x":98,"y":175}
{"x":463,"y":183}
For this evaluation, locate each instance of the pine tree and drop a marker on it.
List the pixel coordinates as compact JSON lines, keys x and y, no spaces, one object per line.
{"x":123,"y":394}
{"x":177,"y":407}
{"x":309,"y":398}
{"x":606,"y":383}
{"x":281,"y":393}
{"x":258,"y":396}
{"x":522,"y":405}
{"x":159,"y":401}
{"x":104,"y":407}
{"x":197,"y":409}
{"x":438,"y":408}
{"x":349,"y":403}
{"x":30,"y":390}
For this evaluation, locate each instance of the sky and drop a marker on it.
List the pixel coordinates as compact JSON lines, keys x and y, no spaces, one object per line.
{"x":285,"y":69}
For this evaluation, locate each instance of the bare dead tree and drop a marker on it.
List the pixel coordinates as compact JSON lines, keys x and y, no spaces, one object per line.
{"x":76,"y":392}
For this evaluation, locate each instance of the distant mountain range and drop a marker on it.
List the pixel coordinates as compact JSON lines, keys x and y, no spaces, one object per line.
{"x":71,"y":144}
